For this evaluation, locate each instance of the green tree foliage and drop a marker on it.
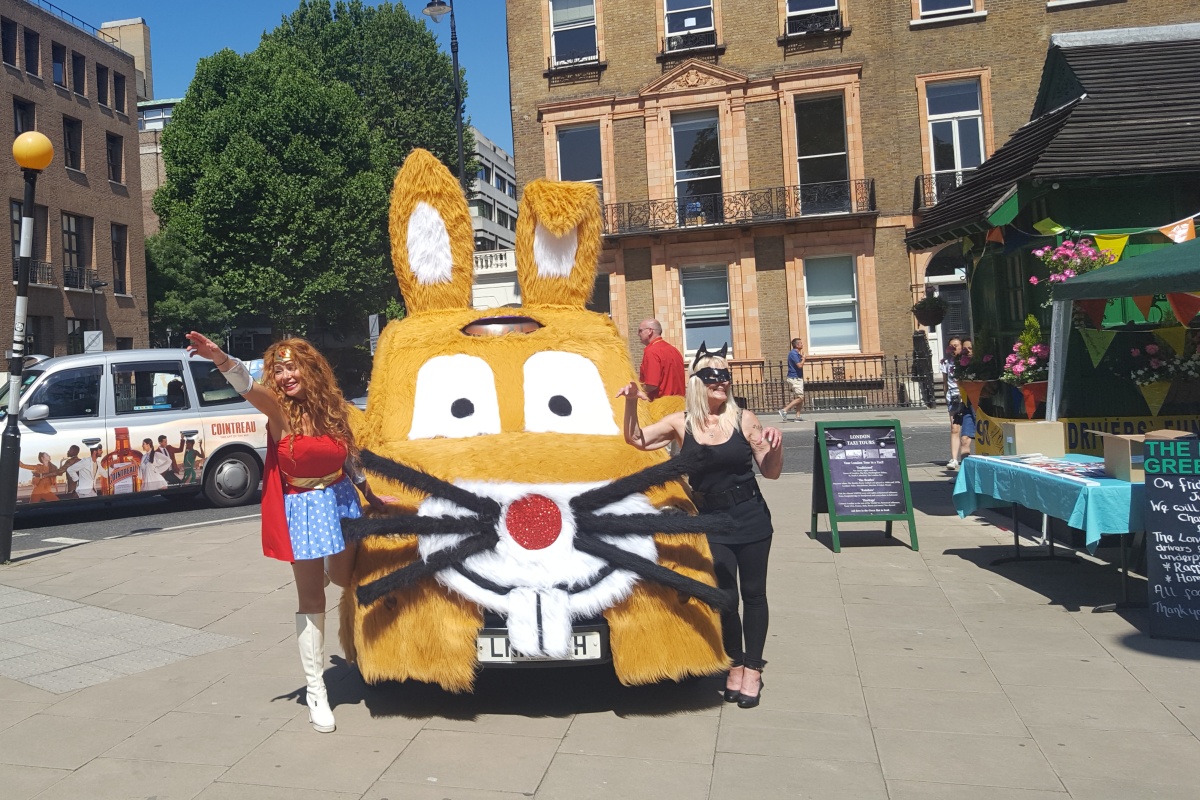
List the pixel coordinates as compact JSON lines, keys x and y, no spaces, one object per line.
{"x":279,"y":164}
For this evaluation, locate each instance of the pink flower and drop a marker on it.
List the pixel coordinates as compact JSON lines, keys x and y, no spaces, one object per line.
{"x":964,"y":361}
{"x":1031,"y":361}
{"x":1033,"y":279}
{"x":1135,"y":352}
{"x":1155,"y":363}
{"x":1018,"y":369}
{"x":1070,"y":273}
{"x":1017,"y":347}
{"x":1152,"y":349}
{"x":1040,"y":350}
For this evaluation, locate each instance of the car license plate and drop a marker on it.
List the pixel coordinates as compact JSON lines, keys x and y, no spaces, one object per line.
{"x":495,"y":649}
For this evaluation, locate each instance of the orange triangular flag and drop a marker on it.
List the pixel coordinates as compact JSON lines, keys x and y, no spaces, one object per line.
{"x":995,"y":235}
{"x":1185,"y":305}
{"x":1144,"y":304}
{"x":1094,"y":310}
{"x":1181,"y":231}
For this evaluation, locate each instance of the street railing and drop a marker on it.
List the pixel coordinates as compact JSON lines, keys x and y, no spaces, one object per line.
{"x":834,"y":384}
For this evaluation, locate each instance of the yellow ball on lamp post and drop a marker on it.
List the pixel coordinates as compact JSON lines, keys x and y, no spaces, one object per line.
{"x":32,"y":150}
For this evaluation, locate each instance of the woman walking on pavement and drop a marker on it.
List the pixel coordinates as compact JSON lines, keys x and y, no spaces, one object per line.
{"x":726,"y":443}
{"x":307,"y":490}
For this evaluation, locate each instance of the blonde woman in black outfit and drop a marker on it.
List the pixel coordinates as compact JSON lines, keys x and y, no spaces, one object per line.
{"x":726,"y":443}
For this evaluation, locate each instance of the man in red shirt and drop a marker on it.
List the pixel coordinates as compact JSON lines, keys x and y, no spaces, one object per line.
{"x":661,"y":374}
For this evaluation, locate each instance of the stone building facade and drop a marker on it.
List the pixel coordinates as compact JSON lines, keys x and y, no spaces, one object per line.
{"x":760,"y":162}
{"x":76,"y":86}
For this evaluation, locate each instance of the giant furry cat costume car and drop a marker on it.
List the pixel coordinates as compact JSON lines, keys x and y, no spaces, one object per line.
{"x":499,"y":435}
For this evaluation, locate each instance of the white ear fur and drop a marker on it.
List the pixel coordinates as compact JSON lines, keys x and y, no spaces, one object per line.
{"x":554,"y":255}
{"x":429,"y":246}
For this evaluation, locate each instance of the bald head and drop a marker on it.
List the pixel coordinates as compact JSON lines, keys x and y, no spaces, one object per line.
{"x":649,"y":330}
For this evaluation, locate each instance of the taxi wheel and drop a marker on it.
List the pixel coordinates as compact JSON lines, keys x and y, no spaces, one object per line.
{"x":231,"y":481}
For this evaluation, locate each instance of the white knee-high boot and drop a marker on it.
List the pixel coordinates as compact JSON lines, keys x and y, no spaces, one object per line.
{"x":310,"y":635}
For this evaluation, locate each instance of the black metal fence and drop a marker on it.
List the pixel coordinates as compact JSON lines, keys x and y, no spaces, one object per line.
{"x":837,"y":384}
{"x":40,"y":272}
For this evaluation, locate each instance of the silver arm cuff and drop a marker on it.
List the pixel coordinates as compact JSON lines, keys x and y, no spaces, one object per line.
{"x":238,"y":376}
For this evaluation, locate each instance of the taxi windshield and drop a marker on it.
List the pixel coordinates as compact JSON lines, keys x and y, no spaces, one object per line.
{"x":27,"y":378}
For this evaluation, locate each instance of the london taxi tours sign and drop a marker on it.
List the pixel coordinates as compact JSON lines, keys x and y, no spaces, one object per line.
{"x":1172,"y":519}
{"x":859,"y":475}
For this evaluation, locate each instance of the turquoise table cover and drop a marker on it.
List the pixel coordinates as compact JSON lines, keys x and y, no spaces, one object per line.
{"x":1093,"y":504}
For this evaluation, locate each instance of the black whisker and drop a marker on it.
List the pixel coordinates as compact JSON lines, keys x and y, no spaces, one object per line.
{"x":711,"y":595}
{"x":646,"y":524}
{"x":424,"y":482}
{"x":637,"y":483}
{"x":413,"y":524}
{"x":409,"y":574}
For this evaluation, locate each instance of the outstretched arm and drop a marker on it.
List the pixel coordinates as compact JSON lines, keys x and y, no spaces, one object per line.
{"x":652,"y":437}
{"x":256,"y":395}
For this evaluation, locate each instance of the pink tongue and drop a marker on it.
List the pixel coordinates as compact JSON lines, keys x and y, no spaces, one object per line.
{"x":533,"y":521}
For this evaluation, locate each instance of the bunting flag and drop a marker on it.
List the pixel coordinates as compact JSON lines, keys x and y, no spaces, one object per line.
{"x":1097,"y":343}
{"x":1048,"y":227}
{"x":1093,"y":310}
{"x":1174,"y":338}
{"x":1155,"y":394}
{"x":1179,"y":232}
{"x":1113,"y":243}
{"x":1185,"y":305}
{"x":967,"y":244}
{"x":995,"y":235}
{"x":1144,"y":304}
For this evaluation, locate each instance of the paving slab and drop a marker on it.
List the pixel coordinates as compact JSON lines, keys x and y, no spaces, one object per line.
{"x":326,"y":762}
{"x":988,"y":713}
{"x":24,"y":783}
{"x":118,"y":779}
{"x":583,"y":777}
{"x":669,"y":738}
{"x":914,"y":672}
{"x":787,"y":734}
{"x":791,"y":778}
{"x":1103,"y":709}
{"x":967,"y":759}
{"x":498,"y":763}
{"x":191,"y":738}
{"x":44,"y":740}
{"x":1146,"y":758}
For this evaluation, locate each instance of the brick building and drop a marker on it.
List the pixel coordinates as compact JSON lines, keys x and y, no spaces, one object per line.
{"x":71,"y":82}
{"x":760,"y":162}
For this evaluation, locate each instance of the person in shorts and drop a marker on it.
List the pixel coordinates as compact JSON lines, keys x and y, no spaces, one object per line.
{"x":795,"y":379}
{"x":954,"y":404}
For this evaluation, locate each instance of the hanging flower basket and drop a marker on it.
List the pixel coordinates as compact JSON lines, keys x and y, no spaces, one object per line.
{"x":930,"y":311}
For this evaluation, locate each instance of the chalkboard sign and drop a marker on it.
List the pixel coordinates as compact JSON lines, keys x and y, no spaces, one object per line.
{"x":1172,"y":518}
{"x":859,"y":474}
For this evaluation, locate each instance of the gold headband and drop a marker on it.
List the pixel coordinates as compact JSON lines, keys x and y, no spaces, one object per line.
{"x":283,"y":354}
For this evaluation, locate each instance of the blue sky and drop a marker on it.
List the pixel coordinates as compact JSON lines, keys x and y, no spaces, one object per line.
{"x":182,"y":33}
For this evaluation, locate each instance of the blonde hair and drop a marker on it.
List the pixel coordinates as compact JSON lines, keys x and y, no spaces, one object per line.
{"x":322,"y":407}
{"x":696,"y":399}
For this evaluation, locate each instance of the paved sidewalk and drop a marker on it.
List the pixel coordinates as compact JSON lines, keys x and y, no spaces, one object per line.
{"x":893,"y":674}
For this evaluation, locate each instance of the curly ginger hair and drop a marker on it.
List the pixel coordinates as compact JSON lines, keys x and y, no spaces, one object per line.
{"x":322,"y":411}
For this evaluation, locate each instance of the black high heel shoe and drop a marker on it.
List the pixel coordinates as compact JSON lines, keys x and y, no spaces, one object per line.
{"x":746,"y":701}
{"x":732,"y":695}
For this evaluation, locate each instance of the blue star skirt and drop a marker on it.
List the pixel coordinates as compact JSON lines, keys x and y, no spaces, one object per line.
{"x":314,"y":519}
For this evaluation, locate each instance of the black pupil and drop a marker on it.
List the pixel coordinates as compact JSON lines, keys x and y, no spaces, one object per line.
{"x":462,"y":407}
{"x":560,"y":405}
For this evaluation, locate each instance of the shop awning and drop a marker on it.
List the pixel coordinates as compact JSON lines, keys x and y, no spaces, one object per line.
{"x":1172,"y":268}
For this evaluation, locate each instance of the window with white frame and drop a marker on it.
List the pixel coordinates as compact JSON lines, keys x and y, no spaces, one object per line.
{"x":579,"y":155}
{"x":831,"y":292}
{"x":938,"y":8}
{"x":808,"y":16}
{"x":689,"y":24}
{"x":823,"y":167}
{"x":955,"y":111}
{"x":573,"y":31}
{"x":706,"y":320}
{"x":697,"y":149}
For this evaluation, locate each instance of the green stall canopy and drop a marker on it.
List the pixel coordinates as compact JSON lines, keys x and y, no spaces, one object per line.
{"x":1172,"y":268}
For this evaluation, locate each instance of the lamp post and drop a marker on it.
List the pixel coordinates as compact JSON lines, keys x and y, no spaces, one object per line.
{"x":94,"y":286}
{"x":33,"y":153}
{"x":435,"y":10}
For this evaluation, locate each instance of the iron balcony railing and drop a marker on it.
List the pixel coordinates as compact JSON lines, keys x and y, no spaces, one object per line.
{"x":689,"y":41}
{"x":930,"y":189}
{"x":740,"y":208}
{"x":814,"y":24}
{"x":835,"y":384}
{"x":78,"y":277}
{"x":570,"y":59}
{"x":40,"y":272}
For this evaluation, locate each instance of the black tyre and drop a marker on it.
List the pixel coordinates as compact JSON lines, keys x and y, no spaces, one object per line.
{"x":232,"y":480}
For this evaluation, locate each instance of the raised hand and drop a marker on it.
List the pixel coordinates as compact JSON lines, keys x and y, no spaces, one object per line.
{"x":201,"y":345}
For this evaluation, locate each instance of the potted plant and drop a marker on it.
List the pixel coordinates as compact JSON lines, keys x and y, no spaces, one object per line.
{"x":1154,"y":367}
{"x":1070,"y":259}
{"x":974,"y":372}
{"x":930,"y":310}
{"x":1028,"y":365}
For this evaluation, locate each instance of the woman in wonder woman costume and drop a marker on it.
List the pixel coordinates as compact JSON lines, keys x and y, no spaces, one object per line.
{"x":308,"y":484}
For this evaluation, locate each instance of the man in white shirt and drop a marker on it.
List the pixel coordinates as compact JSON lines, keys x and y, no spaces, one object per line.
{"x":83,"y":472}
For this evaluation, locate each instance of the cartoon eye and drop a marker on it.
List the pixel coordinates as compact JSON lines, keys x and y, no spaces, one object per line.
{"x":564,"y":394}
{"x":455,"y":397}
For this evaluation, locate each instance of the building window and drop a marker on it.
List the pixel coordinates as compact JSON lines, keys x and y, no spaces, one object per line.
{"x":39,"y":271}
{"x":511,"y":190}
{"x":938,"y":8}
{"x":579,"y":156}
{"x":705,"y":308}
{"x":120,"y":241}
{"x":955,"y":112}
{"x":59,"y":57}
{"x":75,"y":329}
{"x":23,"y":119}
{"x":499,"y":182}
{"x":481,"y":208}
{"x":119,"y":92}
{"x":14,"y":217}
{"x":72,"y":143}
{"x":8,"y":40}
{"x":153,"y":119}
{"x":831,"y":289}
{"x":77,"y":251}
{"x":697,"y":167}
{"x":102,"y":84}
{"x":573,"y":31}
{"x":689,"y":24}
{"x":485,"y":174}
{"x":114,"y":150}
{"x":33,"y":52}
{"x":822,"y":165}
{"x":78,"y":73}
{"x":502,"y":218}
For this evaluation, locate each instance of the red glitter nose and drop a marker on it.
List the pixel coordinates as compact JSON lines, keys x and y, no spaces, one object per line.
{"x":533,"y":521}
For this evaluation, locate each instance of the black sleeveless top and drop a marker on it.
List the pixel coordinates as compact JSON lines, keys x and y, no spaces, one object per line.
{"x":724,"y":483}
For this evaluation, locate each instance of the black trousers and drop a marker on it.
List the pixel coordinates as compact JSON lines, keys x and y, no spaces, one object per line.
{"x":743,"y":568}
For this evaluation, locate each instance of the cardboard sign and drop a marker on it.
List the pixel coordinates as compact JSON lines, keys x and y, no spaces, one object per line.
{"x":1172,"y":518}
{"x":859,"y":473}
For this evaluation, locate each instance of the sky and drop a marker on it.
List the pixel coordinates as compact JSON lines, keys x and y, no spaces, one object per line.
{"x":181,"y":33}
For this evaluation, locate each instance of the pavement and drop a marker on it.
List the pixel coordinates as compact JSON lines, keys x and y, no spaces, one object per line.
{"x":164,"y":665}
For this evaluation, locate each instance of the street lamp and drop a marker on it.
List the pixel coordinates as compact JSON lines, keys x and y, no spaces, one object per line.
{"x":435,"y":10}
{"x":33,"y":153}
{"x":96,"y":285}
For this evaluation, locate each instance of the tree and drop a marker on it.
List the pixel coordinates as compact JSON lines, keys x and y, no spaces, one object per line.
{"x":279,"y":167}
{"x":179,"y":292}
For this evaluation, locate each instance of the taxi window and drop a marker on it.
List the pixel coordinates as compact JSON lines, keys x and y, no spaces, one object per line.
{"x":70,"y":393}
{"x":211,"y":385}
{"x":149,"y":386}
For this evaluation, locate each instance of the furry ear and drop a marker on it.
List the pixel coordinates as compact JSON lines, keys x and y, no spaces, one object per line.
{"x":558,"y":242}
{"x":433,"y":244}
